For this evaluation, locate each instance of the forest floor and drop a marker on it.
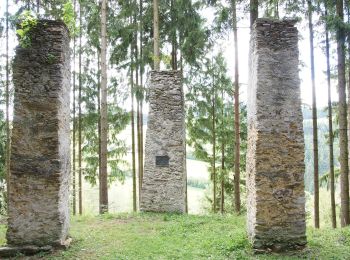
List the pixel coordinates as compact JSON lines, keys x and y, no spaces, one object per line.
{"x":165,"y":236}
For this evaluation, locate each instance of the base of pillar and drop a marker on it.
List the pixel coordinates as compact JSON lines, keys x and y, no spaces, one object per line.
{"x":279,"y":248}
{"x":11,"y":251}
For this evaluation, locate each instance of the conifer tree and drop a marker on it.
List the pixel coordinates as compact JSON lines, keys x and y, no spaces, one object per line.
{"x":343,"y":135}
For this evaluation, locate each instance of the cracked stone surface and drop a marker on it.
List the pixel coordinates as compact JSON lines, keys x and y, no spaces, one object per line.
{"x":164,"y":180}
{"x":40,"y":154}
{"x":275,"y":157}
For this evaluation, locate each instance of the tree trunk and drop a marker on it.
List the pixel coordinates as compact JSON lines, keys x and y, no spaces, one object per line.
{"x":138,"y":117}
{"x":214,"y":147}
{"x":314,"y":120}
{"x":254,"y":11}
{"x":74,"y":129}
{"x":330,"y":131}
{"x":141,"y":67}
{"x":237,"y":113}
{"x":7,"y":96}
{"x":104,"y":121}
{"x":222,"y":201}
{"x":343,"y":137}
{"x":80,"y":184}
{"x":99,"y":115}
{"x":156,"y":51}
{"x":173,"y":38}
{"x":133,"y":132}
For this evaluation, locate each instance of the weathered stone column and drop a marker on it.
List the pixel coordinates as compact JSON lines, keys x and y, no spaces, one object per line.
{"x":40,"y":154}
{"x":164,"y":180}
{"x":275,"y":159}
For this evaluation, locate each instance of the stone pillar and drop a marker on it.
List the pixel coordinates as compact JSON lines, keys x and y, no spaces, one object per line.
{"x":40,"y":154}
{"x":164,"y":180}
{"x":275,"y":158}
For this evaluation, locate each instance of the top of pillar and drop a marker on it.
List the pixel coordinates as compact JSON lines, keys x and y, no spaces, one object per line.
{"x":275,"y":34}
{"x":45,"y":31}
{"x":166,"y":72}
{"x":288,"y":22}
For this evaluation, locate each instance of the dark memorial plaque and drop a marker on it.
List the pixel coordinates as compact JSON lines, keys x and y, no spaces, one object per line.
{"x":162,"y":161}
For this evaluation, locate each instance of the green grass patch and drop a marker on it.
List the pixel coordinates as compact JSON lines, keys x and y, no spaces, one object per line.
{"x":171,"y":236}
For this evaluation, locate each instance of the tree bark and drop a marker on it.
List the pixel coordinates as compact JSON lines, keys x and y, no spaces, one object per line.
{"x":330,"y":131}
{"x":104,"y":121}
{"x":99,"y":115}
{"x":80,"y":184}
{"x":133,"y":132}
{"x":222,"y":197}
{"x":156,"y":50}
{"x":141,"y":67}
{"x":173,"y":38}
{"x":254,"y":11}
{"x":214,"y":146}
{"x":314,"y":121}
{"x":343,"y":137}
{"x":138,"y":101}
{"x":74,"y":128}
{"x":7,"y":96}
{"x":237,"y":177}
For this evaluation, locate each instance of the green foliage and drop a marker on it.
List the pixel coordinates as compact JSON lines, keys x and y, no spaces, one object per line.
{"x":323,"y":142}
{"x":210,"y":103}
{"x":69,"y":18}
{"x":27,"y":21}
{"x":118,"y":118}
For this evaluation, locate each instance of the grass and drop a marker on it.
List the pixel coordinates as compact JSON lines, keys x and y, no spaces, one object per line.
{"x":165,"y":236}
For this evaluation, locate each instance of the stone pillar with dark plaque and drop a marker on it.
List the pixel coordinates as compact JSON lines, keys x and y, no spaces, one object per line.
{"x":275,"y":156}
{"x":164,"y":180}
{"x":38,"y":214}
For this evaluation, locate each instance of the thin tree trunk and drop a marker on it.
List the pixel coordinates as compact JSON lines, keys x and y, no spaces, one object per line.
{"x":104,"y":121}
{"x":138,"y":120}
{"x":133,"y":132}
{"x":173,"y":38}
{"x":343,"y":137}
{"x":133,"y":150}
{"x":330,"y":131}
{"x":141,"y":67}
{"x":74,"y":128}
{"x":138,"y":131}
{"x":222,"y":201}
{"x":314,"y":121}
{"x":7,"y":95}
{"x":99,"y":115}
{"x":214,"y":147}
{"x":348,"y":115}
{"x":254,"y":11}
{"x":237,"y":113}
{"x":156,"y":50}
{"x":80,"y":120}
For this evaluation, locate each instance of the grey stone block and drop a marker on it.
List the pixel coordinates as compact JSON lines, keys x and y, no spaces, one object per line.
{"x":40,"y":154}
{"x":275,"y":157}
{"x":164,"y":180}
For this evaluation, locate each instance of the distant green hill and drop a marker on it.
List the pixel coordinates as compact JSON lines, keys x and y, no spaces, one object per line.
{"x":322,"y":124}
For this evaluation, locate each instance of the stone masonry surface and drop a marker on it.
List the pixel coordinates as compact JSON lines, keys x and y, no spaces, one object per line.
{"x":40,"y":154}
{"x":164,"y":182}
{"x":275,"y":158}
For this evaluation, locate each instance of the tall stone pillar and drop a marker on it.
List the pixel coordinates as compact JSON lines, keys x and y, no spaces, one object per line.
{"x":40,"y":154}
{"x":275,"y":158}
{"x":164,"y":180}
